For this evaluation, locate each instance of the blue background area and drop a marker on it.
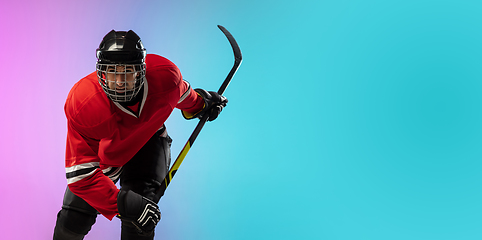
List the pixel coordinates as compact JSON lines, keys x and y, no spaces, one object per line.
{"x":346,"y":120}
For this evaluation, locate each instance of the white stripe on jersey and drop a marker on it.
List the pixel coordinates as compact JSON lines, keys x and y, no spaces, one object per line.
{"x":72,"y":177}
{"x":81,"y":166}
{"x":184,"y":95}
{"x":114,"y":175}
{"x":80,"y":177}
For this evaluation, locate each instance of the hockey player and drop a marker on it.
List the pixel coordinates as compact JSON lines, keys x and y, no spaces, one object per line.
{"x":115,"y":119}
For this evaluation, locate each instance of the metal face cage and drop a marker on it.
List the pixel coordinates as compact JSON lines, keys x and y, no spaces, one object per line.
{"x":121,"y":82}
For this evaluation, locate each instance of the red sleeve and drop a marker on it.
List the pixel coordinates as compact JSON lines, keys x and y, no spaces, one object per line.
{"x":84,"y":176}
{"x":98,"y":191}
{"x":190,"y":101}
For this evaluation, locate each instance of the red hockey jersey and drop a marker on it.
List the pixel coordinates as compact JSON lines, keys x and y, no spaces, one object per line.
{"x":103,"y":135}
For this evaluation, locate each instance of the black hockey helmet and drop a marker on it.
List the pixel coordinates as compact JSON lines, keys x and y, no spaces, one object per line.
{"x":121,"y":47}
{"x":121,"y":67}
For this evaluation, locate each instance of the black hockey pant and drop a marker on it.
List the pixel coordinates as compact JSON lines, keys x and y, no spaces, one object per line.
{"x":143,"y":174}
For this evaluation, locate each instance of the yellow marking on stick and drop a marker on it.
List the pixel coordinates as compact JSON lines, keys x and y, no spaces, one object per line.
{"x":179,"y":159}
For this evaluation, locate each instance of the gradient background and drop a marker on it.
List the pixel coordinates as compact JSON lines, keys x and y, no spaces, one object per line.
{"x":347,"y":119}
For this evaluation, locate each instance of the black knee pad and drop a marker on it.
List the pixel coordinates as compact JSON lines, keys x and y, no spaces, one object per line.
{"x":72,"y":201}
{"x":74,"y":221}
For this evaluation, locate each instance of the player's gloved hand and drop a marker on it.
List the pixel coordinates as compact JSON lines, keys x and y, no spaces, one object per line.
{"x":143,"y":213}
{"x":213,"y":103}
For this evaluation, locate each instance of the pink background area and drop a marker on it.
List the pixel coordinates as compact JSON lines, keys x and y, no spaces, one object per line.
{"x":43,"y":48}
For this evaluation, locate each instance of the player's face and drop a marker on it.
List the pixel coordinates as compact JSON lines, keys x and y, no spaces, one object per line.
{"x":121,"y":78}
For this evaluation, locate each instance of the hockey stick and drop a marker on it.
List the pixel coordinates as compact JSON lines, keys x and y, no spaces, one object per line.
{"x":237,"y":61}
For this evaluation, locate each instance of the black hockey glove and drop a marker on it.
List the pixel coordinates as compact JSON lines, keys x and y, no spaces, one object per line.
{"x":143,"y":213}
{"x":213,"y":105}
